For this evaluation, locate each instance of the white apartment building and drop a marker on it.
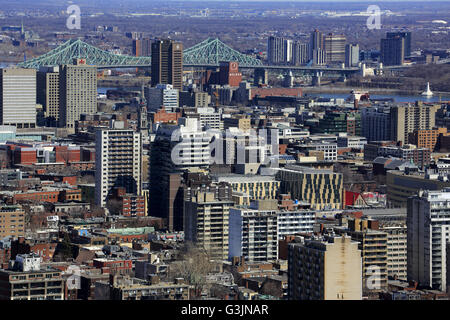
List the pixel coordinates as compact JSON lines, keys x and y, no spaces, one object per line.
{"x":428,"y":223}
{"x":118,"y":158}
{"x":18,"y":97}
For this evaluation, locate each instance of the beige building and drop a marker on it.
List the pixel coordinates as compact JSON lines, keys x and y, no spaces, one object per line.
{"x":78,"y":92}
{"x":48,"y":92}
{"x":206,"y":223}
{"x":12,"y":221}
{"x":323,"y":189}
{"x":373,"y":247}
{"x":407,"y":118}
{"x":18,"y":97}
{"x":396,"y":248}
{"x":328,"y":268}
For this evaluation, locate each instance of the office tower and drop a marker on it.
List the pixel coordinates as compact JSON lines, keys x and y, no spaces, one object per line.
{"x":48,"y":93}
{"x":376,"y":123}
{"x":206,"y":222}
{"x":404,"y":34}
{"x":315,"y":42}
{"x":176,"y":148}
{"x":318,"y":57}
{"x":392,"y":51}
{"x":167,"y":63}
{"x":373,"y":245}
{"x":77,"y":92}
{"x":323,"y":189}
{"x":351,"y":55}
{"x":142,"y":47}
{"x":428,"y":224}
{"x":334,"y":46}
{"x":229,"y":74}
{"x":163,"y":95}
{"x":326,"y":268}
{"x":300,"y":53}
{"x":255,"y":187}
{"x":18,"y":97}
{"x":118,"y":160}
{"x":407,"y":118}
{"x":12,"y":222}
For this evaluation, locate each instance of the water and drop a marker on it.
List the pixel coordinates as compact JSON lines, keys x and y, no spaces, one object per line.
{"x":397,"y":98}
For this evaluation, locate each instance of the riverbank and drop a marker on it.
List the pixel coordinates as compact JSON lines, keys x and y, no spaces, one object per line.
{"x":376,"y":91}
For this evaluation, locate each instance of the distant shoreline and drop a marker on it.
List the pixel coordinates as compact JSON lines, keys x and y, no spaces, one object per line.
{"x":376,"y":91}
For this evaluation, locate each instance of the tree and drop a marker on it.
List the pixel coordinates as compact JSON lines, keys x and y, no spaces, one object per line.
{"x":194,"y":267}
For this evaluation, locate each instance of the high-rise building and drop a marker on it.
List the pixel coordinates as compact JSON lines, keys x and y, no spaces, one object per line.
{"x":163,"y":95}
{"x":334,"y":46}
{"x":404,"y":34}
{"x":396,"y":248}
{"x":77,"y":92}
{"x":48,"y":93}
{"x":253,"y":234}
{"x":142,"y":47}
{"x":392,"y":51}
{"x":167,"y":63}
{"x":428,"y":224}
{"x":376,"y":123}
{"x":206,"y":220}
{"x":318,"y":57}
{"x":326,"y":268}
{"x":407,"y":118}
{"x":118,"y":154}
{"x":275,"y":50}
{"x":176,"y":148}
{"x":351,"y":55}
{"x":300,"y":53}
{"x":18,"y":97}
{"x":315,"y":42}
{"x":373,"y":245}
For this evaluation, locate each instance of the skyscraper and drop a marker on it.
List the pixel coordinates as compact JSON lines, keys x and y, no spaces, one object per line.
{"x":300,"y":53}
{"x":117,"y":162}
{"x":392,"y":51}
{"x":18,"y":97}
{"x":351,"y":55}
{"x":48,"y":93}
{"x":403,"y":34}
{"x":334,"y":46}
{"x":78,"y":92}
{"x":142,"y":47}
{"x":315,"y":42}
{"x":167,"y":63}
{"x":428,"y":225}
{"x":279,"y":50}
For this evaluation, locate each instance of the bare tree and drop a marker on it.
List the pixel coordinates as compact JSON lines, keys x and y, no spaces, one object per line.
{"x":194,"y":267}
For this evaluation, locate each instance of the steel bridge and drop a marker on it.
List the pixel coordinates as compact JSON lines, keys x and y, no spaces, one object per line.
{"x":209,"y":52}
{"x":206,"y":54}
